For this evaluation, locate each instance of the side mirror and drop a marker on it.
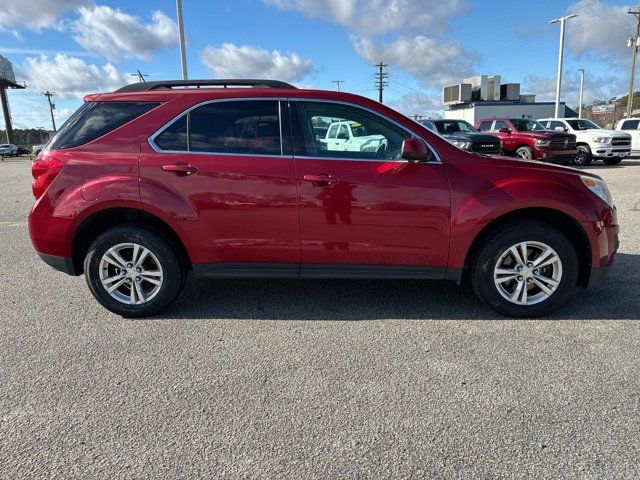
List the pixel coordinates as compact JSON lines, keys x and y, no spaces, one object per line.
{"x":505,"y":130}
{"x":415,"y":150}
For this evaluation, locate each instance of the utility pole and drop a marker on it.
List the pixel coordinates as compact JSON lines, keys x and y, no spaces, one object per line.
{"x":338,"y":82}
{"x":380,"y":79}
{"x":416,"y":117}
{"x":634,"y":50}
{"x":581,"y":70}
{"x":183,"y":50}
{"x":52,"y":107}
{"x":140,"y":75}
{"x":560,"y":20}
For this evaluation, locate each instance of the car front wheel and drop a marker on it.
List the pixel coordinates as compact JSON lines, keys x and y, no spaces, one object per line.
{"x":584,"y":156}
{"x":133,"y":272}
{"x":525,"y":270}
{"x":524,"y":152}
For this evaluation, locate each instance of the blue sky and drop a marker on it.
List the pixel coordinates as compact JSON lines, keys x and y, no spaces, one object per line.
{"x":72,"y":47}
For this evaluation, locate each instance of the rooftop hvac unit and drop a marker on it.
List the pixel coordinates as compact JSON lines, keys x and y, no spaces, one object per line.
{"x":528,"y":98}
{"x":458,"y":93}
{"x":510,"y":92}
{"x":485,"y":87}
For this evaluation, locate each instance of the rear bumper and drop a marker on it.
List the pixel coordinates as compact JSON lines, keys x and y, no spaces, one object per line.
{"x":62,"y":264}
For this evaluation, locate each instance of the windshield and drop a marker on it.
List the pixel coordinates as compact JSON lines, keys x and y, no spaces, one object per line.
{"x":445,"y":127}
{"x":526,"y":125}
{"x":582,"y":124}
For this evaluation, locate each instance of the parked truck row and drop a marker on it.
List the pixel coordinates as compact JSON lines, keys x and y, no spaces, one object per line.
{"x":574,"y":141}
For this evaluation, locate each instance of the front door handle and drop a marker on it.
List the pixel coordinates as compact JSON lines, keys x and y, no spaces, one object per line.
{"x":321,"y":179}
{"x":180,"y":168}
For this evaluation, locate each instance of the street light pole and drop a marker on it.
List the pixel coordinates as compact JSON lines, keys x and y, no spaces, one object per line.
{"x":634,"y":50}
{"x":581,"y":70}
{"x":183,"y":50}
{"x":562,"y":21}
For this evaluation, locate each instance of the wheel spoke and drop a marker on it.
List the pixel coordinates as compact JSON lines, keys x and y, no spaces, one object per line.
{"x":140,"y":292}
{"x":552,"y":258}
{"x":546,"y":280}
{"x":542,"y":286}
{"x":132,"y":294}
{"x":525,"y":293}
{"x":116,"y":285}
{"x":153,"y":280}
{"x":134,"y":255}
{"x":517,"y":291}
{"x":142,"y":257}
{"x":507,"y":278}
{"x":515,"y":253}
{"x":108,"y":281}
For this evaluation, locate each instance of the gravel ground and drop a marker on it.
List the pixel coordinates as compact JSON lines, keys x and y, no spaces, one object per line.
{"x":315,"y":379}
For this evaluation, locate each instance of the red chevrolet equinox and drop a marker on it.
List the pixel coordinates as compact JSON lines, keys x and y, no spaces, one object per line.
{"x":255,"y":178}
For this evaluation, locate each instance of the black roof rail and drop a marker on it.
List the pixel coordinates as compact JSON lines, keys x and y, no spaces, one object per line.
{"x":169,"y":84}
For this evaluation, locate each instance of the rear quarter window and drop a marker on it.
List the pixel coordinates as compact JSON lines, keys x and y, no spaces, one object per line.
{"x":94,"y":119}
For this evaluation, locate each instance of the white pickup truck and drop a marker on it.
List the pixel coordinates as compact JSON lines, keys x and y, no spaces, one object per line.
{"x":593,"y":142}
{"x":349,"y":136}
{"x":632,"y":127}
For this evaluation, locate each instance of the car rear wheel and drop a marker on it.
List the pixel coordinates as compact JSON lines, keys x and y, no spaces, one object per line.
{"x":525,"y":153}
{"x":133,"y":272}
{"x":583,"y":157}
{"x":612,"y":160}
{"x":525,"y":270}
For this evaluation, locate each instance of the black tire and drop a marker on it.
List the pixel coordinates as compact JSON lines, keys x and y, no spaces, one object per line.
{"x":584,"y":156}
{"x":612,"y":160}
{"x":489,"y":253}
{"x":173,"y":271}
{"x":525,"y":153}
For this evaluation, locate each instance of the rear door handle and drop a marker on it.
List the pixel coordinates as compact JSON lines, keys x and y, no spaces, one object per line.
{"x":321,"y":179}
{"x":180,"y":168}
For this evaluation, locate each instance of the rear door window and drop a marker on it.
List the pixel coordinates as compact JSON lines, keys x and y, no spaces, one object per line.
{"x":249,"y":127}
{"x":94,"y":119}
{"x":498,"y":125}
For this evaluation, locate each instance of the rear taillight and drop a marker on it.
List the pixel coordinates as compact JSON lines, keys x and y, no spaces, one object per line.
{"x":44,"y":170}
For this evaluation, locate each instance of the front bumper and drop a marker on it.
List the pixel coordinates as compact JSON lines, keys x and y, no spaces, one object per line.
{"x":550,"y":155}
{"x":611,"y":151}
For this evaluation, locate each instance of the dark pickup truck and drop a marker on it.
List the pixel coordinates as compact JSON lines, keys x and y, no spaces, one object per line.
{"x":464,"y":136}
{"x":530,"y":140}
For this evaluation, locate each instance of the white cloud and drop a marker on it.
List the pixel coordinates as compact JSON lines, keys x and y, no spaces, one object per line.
{"x":418,"y":103}
{"x":232,"y":61}
{"x":34,"y":14}
{"x":598,"y":28}
{"x":595,"y":88}
{"x":69,"y":77}
{"x":376,"y":17}
{"x":432,"y":62}
{"x":113,"y":33}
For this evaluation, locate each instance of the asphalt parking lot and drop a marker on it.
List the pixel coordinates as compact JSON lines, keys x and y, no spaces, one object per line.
{"x":315,"y":379}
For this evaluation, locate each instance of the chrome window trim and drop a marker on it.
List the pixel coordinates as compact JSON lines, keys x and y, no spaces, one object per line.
{"x":157,"y":149}
{"x":412,"y":133}
{"x":152,"y":139}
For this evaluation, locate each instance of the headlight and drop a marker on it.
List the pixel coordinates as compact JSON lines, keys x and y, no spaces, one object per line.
{"x":543,"y":143}
{"x":602,"y":139}
{"x":599,"y":187}
{"x":461,"y":144}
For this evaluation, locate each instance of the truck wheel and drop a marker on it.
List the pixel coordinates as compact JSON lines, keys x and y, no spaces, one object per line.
{"x":525,"y":270}
{"x":612,"y":160}
{"x":584,"y":157}
{"x":133,"y":272}
{"x":525,"y":153}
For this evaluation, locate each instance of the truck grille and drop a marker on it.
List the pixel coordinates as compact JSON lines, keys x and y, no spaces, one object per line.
{"x":486,"y":147}
{"x":620,"y":141}
{"x":563,"y":144}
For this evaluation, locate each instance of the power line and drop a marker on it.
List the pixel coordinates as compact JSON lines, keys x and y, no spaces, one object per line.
{"x":140,"y":75}
{"x":380,"y":76}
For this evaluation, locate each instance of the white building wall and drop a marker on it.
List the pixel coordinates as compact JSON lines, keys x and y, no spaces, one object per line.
{"x":489,"y":110}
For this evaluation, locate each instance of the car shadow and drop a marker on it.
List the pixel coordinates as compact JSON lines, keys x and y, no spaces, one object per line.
{"x":626,"y":162}
{"x":356,"y":300}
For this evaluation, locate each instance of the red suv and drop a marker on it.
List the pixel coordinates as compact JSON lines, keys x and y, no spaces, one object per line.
{"x":530,"y":140}
{"x":151,"y":182}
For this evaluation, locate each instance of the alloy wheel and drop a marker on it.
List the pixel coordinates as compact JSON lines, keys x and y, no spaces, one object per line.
{"x":131,"y":273}
{"x":528,"y":273}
